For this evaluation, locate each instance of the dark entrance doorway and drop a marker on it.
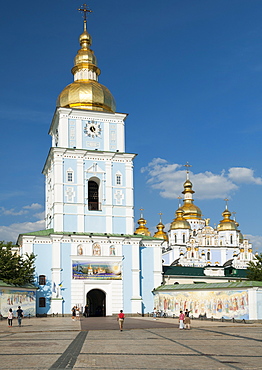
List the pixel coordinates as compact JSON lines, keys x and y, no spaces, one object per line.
{"x":96,"y":302}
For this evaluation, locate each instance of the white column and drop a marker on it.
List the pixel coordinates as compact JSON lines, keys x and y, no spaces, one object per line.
{"x":136,"y":299}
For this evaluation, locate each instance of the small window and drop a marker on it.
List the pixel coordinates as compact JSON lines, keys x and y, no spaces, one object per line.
{"x":42,"y":280}
{"x":175,"y":238}
{"x":231,"y":239}
{"x":118,"y":179}
{"x":184,"y":238}
{"x":42,"y":302}
{"x":208,"y":256}
{"x":69,"y":176}
{"x":112,"y":250}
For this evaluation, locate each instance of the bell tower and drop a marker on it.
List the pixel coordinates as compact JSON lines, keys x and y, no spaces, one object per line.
{"x":89,"y":176}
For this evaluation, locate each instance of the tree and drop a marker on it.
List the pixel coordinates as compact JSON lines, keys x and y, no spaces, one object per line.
{"x":15,"y":269}
{"x":254,"y":270}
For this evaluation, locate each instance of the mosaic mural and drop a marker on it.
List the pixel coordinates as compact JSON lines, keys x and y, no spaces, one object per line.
{"x":94,"y":270}
{"x":216,"y":304}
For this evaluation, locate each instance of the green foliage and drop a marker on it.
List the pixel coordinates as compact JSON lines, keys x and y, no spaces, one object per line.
{"x":254,"y":270}
{"x":15,"y":269}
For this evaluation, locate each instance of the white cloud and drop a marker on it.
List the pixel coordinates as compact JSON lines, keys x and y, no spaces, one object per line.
{"x":12,"y":212}
{"x":243,"y":175}
{"x":11,"y":232}
{"x":40,"y":215}
{"x":169,"y":178}
{"x":256,"y":241}
{"x":33,"y":206}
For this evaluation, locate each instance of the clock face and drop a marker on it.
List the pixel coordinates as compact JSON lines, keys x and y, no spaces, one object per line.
{"x":92,"y":129}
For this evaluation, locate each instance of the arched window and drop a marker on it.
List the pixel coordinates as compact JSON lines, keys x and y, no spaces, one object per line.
{"x":184,"y":238}
{"x":175,"y":238}
{"x":41,"y":301}
{"x":93,"y":196}
{"x":208,"y":256}
{"x":231,"y":239}
{"x":96,"y":249}
{"x":112,"y":250}
{"x":42,"y":280}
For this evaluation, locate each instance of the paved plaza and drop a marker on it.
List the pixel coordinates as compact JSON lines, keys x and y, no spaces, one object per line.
{"x":96,"y":343}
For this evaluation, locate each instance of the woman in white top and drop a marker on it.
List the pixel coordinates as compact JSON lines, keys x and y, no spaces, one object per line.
{"x":10,"y":317}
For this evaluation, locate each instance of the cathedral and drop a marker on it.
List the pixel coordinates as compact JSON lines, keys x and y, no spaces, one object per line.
{"x":89,"y":255}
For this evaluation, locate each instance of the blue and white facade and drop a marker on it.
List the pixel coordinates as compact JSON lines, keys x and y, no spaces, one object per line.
{"x":88,"y":254}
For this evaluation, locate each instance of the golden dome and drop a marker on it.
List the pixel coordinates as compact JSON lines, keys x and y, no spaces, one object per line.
{"x":190,"y":210}
{"x":142,"y":229}
{"x":226,"y":223}
{"x":161,"y":234}
{"x":89,"y":95}
{"x":86,"y":92}
{"x":179,"y":222}
{"x":241,"y":238}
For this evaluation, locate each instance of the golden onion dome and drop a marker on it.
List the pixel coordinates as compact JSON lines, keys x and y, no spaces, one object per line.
{"x":241,"y":238}
{"x":86,"y":92}
{"x":226,"y":224}
{"x":189,"y":208}
{"x":160,"y":234}
{"x":179,"y":222}
{"x":142,"y":229}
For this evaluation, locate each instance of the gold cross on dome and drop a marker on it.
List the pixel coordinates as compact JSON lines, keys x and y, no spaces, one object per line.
{"x":160,"y":213}
{"x":226,"y":200}
{"x":179,"y":198}
{"x":141,"y":212}
{"x":187,"y":165}
{"x":84,"y":8}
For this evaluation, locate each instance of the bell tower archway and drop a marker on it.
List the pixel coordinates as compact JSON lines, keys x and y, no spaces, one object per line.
{"x":96,"y":302}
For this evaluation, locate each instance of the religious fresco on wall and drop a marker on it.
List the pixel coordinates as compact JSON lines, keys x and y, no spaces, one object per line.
{"x":94,"y":270}
{"x":227,"y":304}
{"x":10,"y":298}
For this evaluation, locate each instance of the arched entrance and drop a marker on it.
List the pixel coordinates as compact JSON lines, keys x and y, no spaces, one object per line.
{"x":96,"y":302}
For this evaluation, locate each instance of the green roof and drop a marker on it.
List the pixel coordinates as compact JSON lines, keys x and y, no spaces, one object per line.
{"x":70,"y":233}
{"x":201,"y":286}
{"x":3,"y":284}
{"x":199,"y":271}
{"x":183,"y":270}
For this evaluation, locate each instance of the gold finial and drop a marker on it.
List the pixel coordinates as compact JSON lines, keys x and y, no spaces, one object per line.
{"x":226,"y":200}
{"x":234,"y":215}
{"x":84,"y":8}
{"x":179,"y":198}
{"x":141,"y":212}
{"x":187,"y":165}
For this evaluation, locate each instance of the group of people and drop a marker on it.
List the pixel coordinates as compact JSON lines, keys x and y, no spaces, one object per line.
{"x":19,"y":315}
{"x":75,"y":313}
{"x":184,"y":320}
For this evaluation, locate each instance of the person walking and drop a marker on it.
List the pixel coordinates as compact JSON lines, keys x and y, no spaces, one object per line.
{"x":120,"y":319}
{"x":154,"y":313}
{"x":73,"y":313}
{"x":181,"y":320}
{"x":187,"y":320}
{"x":20,"y":315}
{"x":10,"y":317}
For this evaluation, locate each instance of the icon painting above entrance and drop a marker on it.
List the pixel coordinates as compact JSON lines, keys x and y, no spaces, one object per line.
{"x":96,"y":303}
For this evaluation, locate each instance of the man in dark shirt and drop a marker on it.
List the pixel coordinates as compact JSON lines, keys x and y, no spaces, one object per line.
{"x":20,"y":315}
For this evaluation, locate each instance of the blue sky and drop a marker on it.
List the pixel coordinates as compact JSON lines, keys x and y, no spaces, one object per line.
{"x":188,"y":73}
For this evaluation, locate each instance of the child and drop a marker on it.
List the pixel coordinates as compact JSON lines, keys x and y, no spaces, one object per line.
{"x":10,"y":317}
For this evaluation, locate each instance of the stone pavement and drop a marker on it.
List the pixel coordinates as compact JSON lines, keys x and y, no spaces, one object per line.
{"x":96,"y":343}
